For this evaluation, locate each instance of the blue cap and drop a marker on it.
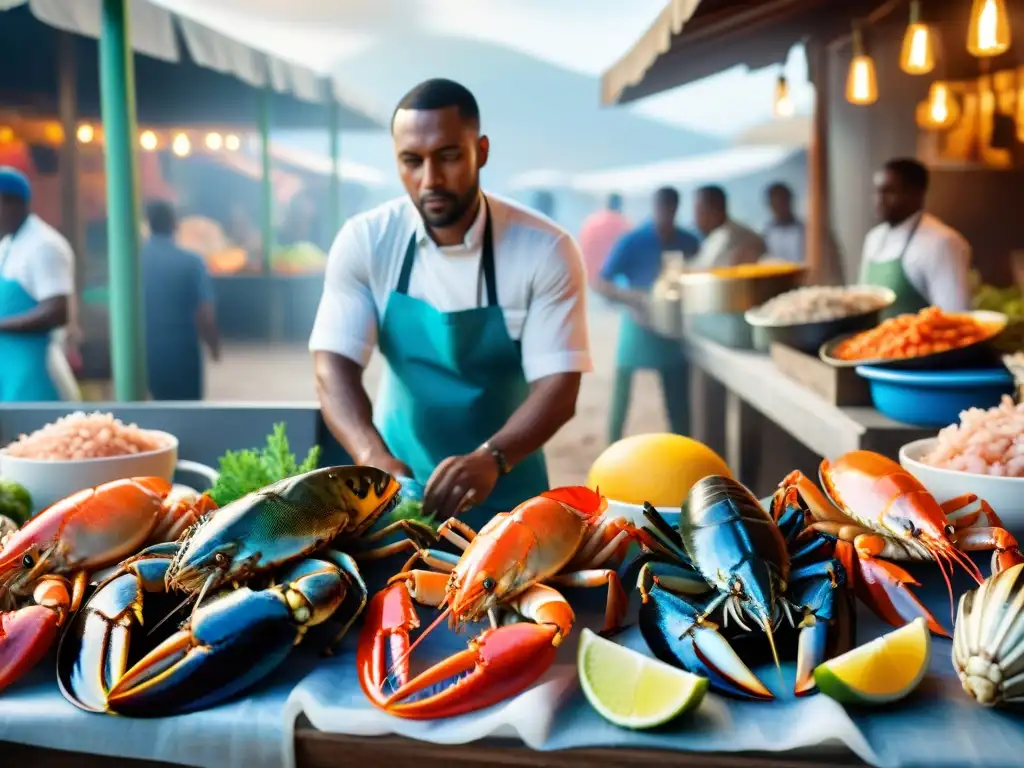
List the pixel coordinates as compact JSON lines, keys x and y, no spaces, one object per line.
{"x":14,"y":183}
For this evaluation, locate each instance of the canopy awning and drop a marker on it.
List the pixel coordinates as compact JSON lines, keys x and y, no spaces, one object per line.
{"x":694,"y":39}
{"x":181,"y":62}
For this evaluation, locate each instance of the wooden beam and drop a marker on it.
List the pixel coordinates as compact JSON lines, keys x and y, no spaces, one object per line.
{"x":818,"y":245}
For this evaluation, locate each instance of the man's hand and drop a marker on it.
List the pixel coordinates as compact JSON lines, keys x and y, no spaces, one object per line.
{"x":459,"y":482}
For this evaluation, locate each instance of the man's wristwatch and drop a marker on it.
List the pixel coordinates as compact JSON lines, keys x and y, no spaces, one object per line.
{"x":499,"y":458}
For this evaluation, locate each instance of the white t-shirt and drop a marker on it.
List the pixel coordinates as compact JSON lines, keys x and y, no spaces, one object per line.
{"x":40,"y":258}
{"x":785,"y":242}
{"x":541,"y":283}
{"x":728,"y":246}
{"x":937,"y":261}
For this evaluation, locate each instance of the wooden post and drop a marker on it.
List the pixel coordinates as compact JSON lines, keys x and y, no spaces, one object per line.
{"x":820,"y":257}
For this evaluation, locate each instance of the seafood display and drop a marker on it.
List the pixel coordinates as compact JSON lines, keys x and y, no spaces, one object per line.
{"x":258,"y":574}
{"x":906,"y":336}
{"x":46,"y":566}
{"x":80,"y":435}
{"x":988,"y":641}
{"x":879,"y":512}
{"x":506,"y":574}
{"x":731,"y":571}
{"x":813,"y":304}
{"x":985,"y":442}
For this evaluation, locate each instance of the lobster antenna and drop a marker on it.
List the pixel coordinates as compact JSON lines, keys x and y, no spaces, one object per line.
{"x":408,"y":652}
{"x":767,"y":624}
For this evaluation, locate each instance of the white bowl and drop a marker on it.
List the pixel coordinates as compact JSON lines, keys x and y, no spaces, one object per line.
{"x":1004,"y":494}
{"x":51,"y":481}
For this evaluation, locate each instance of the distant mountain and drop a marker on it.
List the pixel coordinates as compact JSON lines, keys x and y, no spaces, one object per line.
{"x":539,"y":116}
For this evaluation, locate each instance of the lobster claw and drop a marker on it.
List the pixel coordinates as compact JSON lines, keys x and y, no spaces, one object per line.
{"x":498,"y":664}
{"x":25,"y":637}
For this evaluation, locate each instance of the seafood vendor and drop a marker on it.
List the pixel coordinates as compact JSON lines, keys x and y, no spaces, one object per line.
{"x":626,"y":279}
{"x":727,"y":243}
{"x":179,"y":310}
{"x":784,"y":236}
{"x":478,"y":307}
{"x":922,"y":260}
{"x":37,"y":281}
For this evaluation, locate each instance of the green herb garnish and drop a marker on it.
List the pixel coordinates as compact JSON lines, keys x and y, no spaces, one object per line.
{"x":242,"y":472}
{"x":410,"y":509}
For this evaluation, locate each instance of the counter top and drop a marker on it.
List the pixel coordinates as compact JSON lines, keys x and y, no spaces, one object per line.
{"x":824,"y":428}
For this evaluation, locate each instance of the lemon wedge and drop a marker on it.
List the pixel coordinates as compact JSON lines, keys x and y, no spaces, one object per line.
{"x":884,"y":670}
{"x":632,"y":690}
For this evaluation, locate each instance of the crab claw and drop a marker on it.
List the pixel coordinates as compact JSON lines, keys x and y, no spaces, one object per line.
{"x":498,"y":664}
{"x":885,"y":588}
{"x":670,"y":627}
{"x":25,"y":637}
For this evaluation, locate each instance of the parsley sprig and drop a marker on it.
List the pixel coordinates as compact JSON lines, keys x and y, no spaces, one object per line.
{"x":242,"y":472}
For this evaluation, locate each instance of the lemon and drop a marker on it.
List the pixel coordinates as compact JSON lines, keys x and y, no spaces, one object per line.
{"x":884,"y":670}
{"x":656,"y":468}
{"x":632,"y":690}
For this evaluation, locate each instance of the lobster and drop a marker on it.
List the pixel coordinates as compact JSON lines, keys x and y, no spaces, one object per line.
{"x":46,"y":566}
{"x":504,"y":574}
{"x":878,"y":512}
{"x":259,"y":574}
{"x":732,"y":564}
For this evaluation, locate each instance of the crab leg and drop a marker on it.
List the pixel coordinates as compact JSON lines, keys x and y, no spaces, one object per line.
{"x":617,"y":602}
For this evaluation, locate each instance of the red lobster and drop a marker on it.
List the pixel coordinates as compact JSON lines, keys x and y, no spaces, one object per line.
{"x":880,"y":512}
{"x":562,"y":537}
{"x":45,"y":567}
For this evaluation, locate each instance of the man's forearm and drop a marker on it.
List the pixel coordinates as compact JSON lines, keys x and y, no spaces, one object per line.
{"x":550,"y":405}
{"x":45,"y":316}
{"x":346,"y":407}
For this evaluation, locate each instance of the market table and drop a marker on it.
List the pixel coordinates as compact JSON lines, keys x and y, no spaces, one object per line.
{"x":752,"y":378}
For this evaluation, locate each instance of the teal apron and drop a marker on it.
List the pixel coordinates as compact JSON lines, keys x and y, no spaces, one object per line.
{"x":453,"y":379}
{"x":890,"y":274}
{"x":24,"y":375}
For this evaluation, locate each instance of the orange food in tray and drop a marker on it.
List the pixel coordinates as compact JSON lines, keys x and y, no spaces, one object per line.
{"x":928,"y":332}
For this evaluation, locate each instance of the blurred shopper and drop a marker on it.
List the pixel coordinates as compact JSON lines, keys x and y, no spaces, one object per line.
{"x":924,"y":261}
{"x":37,"y":281}
{"x":478,"y":306}
{"x":179,"y":311}
{"x":784,"y":236}
{"x":599,"y":234}
{"x":726,"y":243}
{"x":626,"y":279}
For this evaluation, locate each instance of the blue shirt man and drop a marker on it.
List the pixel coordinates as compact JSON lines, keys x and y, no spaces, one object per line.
{"x":627,"y":277}
{"x":178,"y":302}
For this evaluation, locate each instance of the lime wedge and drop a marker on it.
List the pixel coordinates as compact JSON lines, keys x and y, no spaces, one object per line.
{"x":633,"y":690}
{"x":884,"y":670}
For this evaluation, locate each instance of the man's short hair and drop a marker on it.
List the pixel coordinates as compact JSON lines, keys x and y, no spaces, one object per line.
{"x":161,"y":217}
{"x":779,"y":188}
{"x":440,"y":93}
{"x":912,"y":173}
{"x":614,"y":202}
{"x":667,"y":196}
{"x":714,"y":196}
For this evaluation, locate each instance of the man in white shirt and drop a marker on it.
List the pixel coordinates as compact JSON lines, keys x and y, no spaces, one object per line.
{"x":923,"y":261}
{"x":478,"y":307}
{"x":36,"y":283}
{"x":726,"y":243}
{"x":784,"y":236}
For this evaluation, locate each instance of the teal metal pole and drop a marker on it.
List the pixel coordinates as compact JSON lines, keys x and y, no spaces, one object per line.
{"x":268,"y":183}
{"x":117,"y":102}
{"x":334,"y":195}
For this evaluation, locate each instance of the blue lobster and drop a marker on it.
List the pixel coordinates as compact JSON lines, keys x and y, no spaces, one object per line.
{"x":731,"y":565}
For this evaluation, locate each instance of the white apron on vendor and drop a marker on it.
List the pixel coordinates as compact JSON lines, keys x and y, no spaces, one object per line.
{"x":36,"y":264}
{"x":923,"y":261}
{"x":462,"y":329}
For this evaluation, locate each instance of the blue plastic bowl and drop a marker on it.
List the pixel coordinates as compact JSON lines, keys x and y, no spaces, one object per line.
{"x":934,"y":398}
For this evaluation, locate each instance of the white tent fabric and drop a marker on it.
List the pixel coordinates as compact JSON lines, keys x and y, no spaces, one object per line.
{"x":152,"y":30}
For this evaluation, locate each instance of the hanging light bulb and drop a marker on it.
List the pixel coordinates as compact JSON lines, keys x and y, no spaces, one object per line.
{"x":940,"y":111}
{"x":918,"y":54}
{"x":214,"y":141}
{"x":861,"y":81}
{"x":232,"y":142}
{"x":783,"y":106}
{"x":989,"y":31}
{"x":181,"y":146}
{"x":148,"y":141}
{"x":6,"y":134}
{"x":86,"y":133}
